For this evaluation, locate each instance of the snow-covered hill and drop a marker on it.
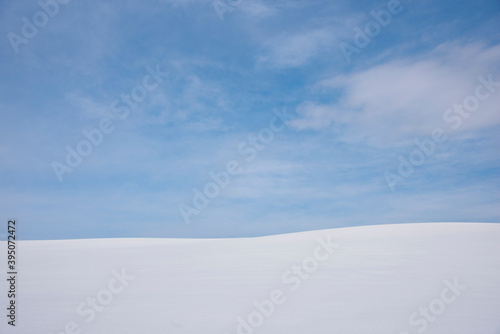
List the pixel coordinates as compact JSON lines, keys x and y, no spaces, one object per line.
{"x":389,"y":279}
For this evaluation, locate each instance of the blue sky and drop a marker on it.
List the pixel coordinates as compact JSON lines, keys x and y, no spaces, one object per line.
{"x":342,"y":153}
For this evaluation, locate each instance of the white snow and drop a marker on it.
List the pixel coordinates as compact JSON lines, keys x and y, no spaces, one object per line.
{"x":365,"y":280}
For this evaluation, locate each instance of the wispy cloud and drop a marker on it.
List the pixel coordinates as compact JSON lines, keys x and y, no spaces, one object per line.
{"x":407,"y":97}
{"x":296,"y":49}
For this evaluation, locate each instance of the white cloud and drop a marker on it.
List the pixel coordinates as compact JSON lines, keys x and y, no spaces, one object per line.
{"x":257,"y":9}
{"x":88,"y":107}
{"x":315,"y":116}
{"x":408,"y":97}
{"x":292,"y":50}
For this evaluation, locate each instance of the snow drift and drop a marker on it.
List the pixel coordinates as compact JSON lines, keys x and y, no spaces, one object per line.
{"x":413,"y":278}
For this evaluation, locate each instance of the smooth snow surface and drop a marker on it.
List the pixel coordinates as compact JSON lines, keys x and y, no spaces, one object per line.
{"x":386,"y":279}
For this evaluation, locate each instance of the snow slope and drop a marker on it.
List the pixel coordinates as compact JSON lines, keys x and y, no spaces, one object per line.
{"x":389,"y":279}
